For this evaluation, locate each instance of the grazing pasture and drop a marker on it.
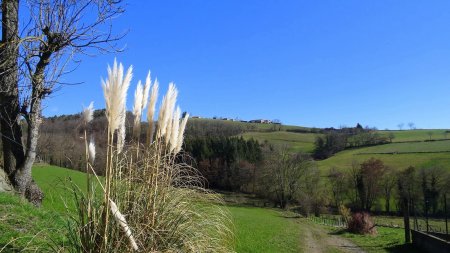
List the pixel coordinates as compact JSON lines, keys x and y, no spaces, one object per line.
{"x":296,"y":142}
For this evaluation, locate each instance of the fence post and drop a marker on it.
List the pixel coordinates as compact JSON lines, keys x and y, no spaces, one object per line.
{"x":445,"y":214}
{"x":406,"y":219}
{"x":426,"y":215}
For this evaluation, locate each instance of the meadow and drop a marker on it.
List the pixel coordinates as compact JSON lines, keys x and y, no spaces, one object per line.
{"x":256,"y":229}
{"x":295,"y":142}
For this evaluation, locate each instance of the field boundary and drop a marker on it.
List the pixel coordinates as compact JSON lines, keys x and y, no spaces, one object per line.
{"x":403,"y":153}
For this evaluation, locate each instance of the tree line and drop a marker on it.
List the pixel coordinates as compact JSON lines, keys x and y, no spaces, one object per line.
{"x":335,"y":140}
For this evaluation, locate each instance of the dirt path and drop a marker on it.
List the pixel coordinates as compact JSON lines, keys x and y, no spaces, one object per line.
{"x":319,"y":240}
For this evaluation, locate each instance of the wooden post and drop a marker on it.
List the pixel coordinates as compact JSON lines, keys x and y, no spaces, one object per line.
{"x":445,"y":213}
{"x":426,"y":215}
{"x":406,"y":220}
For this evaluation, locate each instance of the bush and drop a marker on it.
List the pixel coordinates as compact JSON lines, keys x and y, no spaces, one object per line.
{"x":361,"y":223}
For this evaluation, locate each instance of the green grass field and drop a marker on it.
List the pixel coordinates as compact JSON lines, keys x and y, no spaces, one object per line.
{"x":343,"y":160}
{"x":417,"y":135}
{"x":387,"y":240}
{"x":417,"y":151}
{"x":265,"y":230}
{"x":296,"y":142}
{"x":255,"y":127}
{"x":257,"y":229}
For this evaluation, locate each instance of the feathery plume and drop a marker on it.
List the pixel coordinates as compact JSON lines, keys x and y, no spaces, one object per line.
{"x":148,"y":82}
{"x":169,"y":124}
{"x":88,"y":113}
{"x":151,"y":110}
{"x":91,"y":149}
{"x":166,"y":110}
{"x":138,"y":96}
{"x":181,"y":133}
{"x":115,"y":93}
{"x":175,"y":129}
{"x":137,"y":109}
{"x":118,"y":216}
{"x":121,"y":138}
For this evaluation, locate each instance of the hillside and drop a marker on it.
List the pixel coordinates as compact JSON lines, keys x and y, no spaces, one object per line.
{"x":296,"y":142}
{"x":408,"y":148}
{"x":419,"y":148}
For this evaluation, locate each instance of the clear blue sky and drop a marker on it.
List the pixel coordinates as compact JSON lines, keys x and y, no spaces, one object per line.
{"x":309,"y":63}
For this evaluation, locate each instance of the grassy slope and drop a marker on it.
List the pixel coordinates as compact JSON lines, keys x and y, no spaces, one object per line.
{"x":54,"y":182}
{"x":417,"y":135}
{"x":258,"y":230}
{"x":406,"y":141}
{"x":255,"y":127}
{"x":343,"y":160}
{"x":265,"y":230}
{"x":405,"y":144}
{"x":296,"y":142}
{"x":388,"y":240}
{"x":21,"y":223}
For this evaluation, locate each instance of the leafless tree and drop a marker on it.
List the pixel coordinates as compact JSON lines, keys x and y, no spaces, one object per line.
{"x":338,"y":188}
{"x":391,"y":136}
{"x":31,"y":64}
{"x":411,"y":125}
{"x":284,"y":172}
{"x":388,"y":183}
{"x":430,"y":134}
{"x":400,"y":126}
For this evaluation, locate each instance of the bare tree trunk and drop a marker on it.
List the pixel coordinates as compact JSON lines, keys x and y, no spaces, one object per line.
{"x":9,"y":99}
{"x":16,"y":164}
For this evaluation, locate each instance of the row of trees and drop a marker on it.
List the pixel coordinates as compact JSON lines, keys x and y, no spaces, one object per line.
{"x":373,"y":186}
{"x":228,"y":163}
{"x":335,"y":140}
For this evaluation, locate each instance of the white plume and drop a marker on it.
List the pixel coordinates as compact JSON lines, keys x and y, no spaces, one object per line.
{"x":115,"y":92}
{"x":181,"y":133}
{"x":118,"y":216}
{"x":148,"y":82}
{"x":88,"y":113}
{"x":91,"y":149}
{"x":174,"y":130}
{"x":151,"y":111}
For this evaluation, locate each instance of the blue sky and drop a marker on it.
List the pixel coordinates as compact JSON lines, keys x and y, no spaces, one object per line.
{"x":309,"y":63}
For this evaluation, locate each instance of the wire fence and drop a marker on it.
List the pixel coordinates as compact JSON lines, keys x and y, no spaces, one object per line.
{"x":337,"y":222}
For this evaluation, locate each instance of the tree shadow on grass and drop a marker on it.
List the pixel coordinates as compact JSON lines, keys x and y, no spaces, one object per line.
{"x":338,"y":232}
{"x":404,"y":248}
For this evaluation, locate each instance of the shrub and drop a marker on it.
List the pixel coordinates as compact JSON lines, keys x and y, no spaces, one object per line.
{"x":361,"y":223}
{"x":345,"y":213}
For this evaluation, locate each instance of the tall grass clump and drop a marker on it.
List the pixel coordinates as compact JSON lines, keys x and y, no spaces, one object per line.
{"x":148,"y":199}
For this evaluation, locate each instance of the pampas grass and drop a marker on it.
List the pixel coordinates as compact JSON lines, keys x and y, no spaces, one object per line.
{"x":140,"y":102}
{"x":115,"y":91}
{"x":88,"y":113}
{"x":151,"y":111}
{"x":91,"y":151}
{"x":157,"y":201}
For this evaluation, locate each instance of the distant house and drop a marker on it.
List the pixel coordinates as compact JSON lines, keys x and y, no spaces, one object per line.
{"x":196,"y":117}
{"x":261,"y":121}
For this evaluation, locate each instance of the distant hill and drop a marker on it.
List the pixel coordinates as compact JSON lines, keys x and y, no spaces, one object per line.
{"x":418,"y":148}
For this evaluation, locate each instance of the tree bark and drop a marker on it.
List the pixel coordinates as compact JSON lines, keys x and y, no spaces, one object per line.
{"x":9,"y":92}
{"x":17,"y":164}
